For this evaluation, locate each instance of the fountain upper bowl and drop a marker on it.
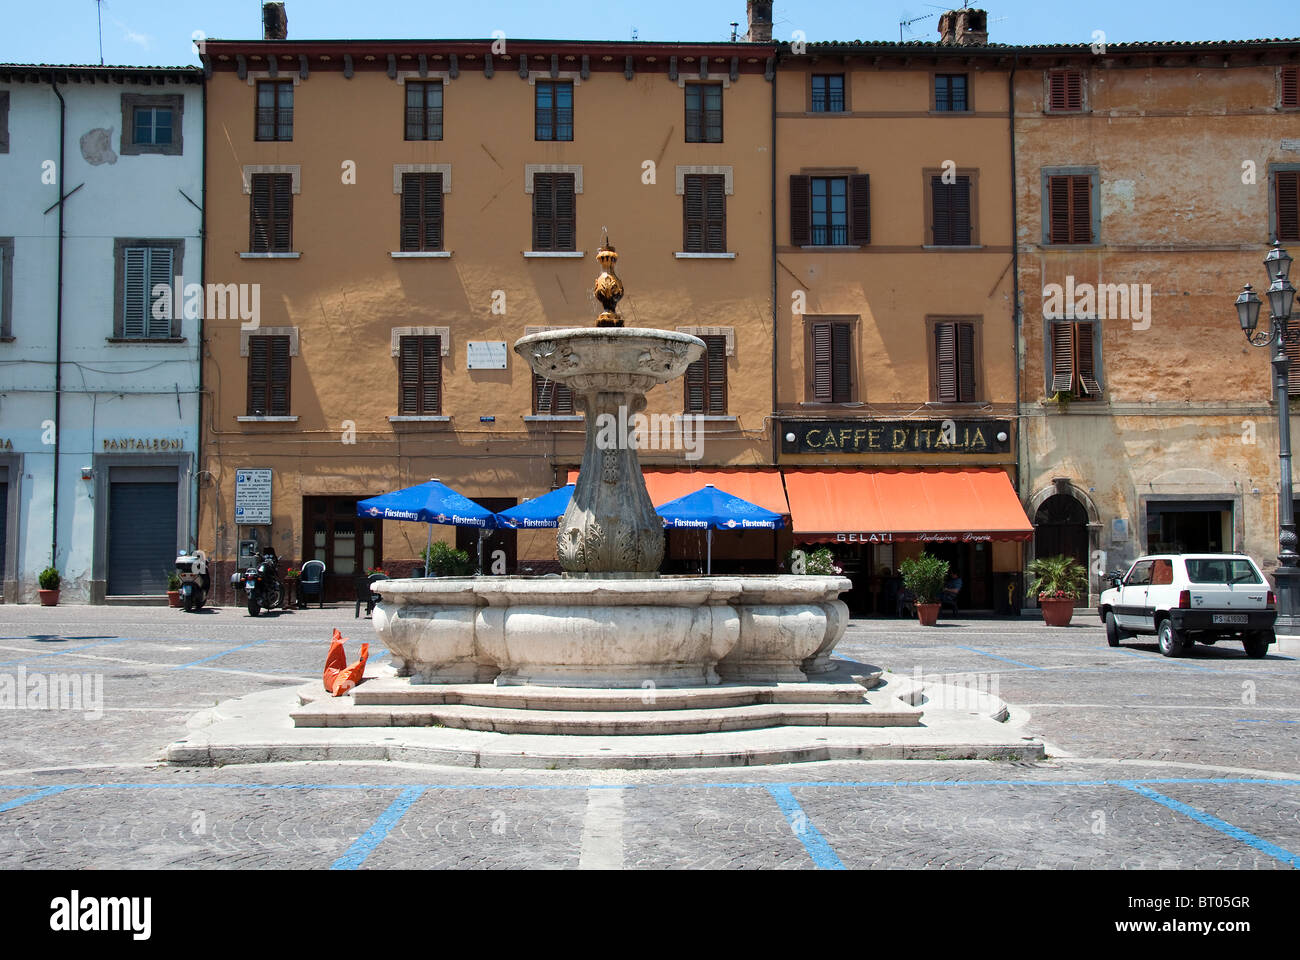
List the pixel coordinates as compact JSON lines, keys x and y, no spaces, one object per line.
{"x":640,"y":354}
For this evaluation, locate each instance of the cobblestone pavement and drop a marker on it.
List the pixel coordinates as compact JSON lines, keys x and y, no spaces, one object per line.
{"x":1153,"y":763}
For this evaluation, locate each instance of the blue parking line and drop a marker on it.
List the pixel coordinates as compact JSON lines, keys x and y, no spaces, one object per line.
{"x":1163,"y":659}
{"x":357,"y":853}
{"x":217,"y":656}
{"x":59,"y":653}
{"x":823,"y":857}
{"x":1200,"y":816}
{"x":19,"y":801}
{"x":996,"y":657}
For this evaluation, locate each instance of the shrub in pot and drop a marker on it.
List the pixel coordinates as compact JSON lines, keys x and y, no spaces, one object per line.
{"x":173,"y":588}
{"x":444,"y":560}
{"x":924,"y":577}
{"x":49,"y":581}
{"x":1058,"y":582}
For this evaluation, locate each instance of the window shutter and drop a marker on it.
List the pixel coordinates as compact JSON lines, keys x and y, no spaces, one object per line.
{"x":259,"y":240}
{"x":1288,"y":205}
{"x":431,"y":375}
{"x":551,"y":398}
{"x":135,"y":300}
{"x":945,"y":367}
{"x":696,"y":384}
{"x":860,"y":209}
{"x":1065,"y":90}
{"x":279,"y":402}
{"x":410,"y":228}
{"x":566,"y":214}
{"x":821,"y":362}
{"x":432,"y":212}
{"x":940,"y":209}
{"x":966,"y":362}
{"x":1292,"y":344}
{"x":282,"y":204}
{"x":841,"y":366}
{"x":1290,"y":80}
{"x":160,"y":271}
{"x":693,"y":215}
{"x":800,"y":210}
{"x":409,"y":374}
{"x":716,"y":356}
{"x":1085,"y":363}
{"x":959,"y":196}
{"x":258,"y":375}
{"x":1062,"y":357}
{"x":543,"y":211}
{"x":715,"y":214}
{"x":1081,"y":209}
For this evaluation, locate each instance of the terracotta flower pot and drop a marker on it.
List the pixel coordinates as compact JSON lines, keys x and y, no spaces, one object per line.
{"x":49,"y":598}
{"x":173,"y":598}
{"x":927,"y":613}
{"x":1056,"y":612}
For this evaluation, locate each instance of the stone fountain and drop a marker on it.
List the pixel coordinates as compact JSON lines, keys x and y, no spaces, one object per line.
{"x":611,"y":620}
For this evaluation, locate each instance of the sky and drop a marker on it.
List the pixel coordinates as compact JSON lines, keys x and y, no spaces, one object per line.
{"x":160,"y":31}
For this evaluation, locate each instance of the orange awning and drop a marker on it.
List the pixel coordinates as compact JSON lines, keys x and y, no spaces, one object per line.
{"x":762,"y":486}
{"x":881,"y":506}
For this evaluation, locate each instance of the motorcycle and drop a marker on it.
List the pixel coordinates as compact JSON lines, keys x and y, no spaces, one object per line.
{"x":262,"y":584}
{"x":195,"y":581}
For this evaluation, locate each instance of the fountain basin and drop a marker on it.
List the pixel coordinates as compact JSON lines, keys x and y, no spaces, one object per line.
{"x":590,"y":632}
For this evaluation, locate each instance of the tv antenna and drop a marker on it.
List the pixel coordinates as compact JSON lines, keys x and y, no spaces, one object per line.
{"x":735,"y":25}
{"x":634,"y":33}
{"x":908,"y":24}
{"x":99,"y":10}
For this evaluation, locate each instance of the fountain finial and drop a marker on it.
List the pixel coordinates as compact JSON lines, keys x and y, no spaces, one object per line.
{"x":609,"y":288}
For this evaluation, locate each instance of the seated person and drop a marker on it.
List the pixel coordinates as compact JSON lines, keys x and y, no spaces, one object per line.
{"x":948,"y":595}
{"x":906,"y":602}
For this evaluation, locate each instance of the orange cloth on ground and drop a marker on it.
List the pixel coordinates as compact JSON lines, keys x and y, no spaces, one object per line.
{"x":335,"y":661}
{"x":350,"y":677}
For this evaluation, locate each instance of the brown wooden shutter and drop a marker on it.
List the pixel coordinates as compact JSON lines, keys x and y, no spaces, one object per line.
{"x":1292,"y":345}
{"x":860,"y":208}
{"x":715,"y":214}
{"x":1288,"y":205}
{"x":716,"y":355}
{"x":800,"y":210}
{"x":1081,"y":209}
{"x":1062,"y":357}
{"x":566,"y":213}
{"x":1065,"y":90}
{"x":1290,"y":81}
{"x":551,"y":398}
{"x":279,"y":399}
{"x":696,"y":384}
{"x":960,"y":201}
{"x":409,"y":374}
{"x":410,"y":227}
{"x":841,"y":364}
{"x":945,"y":362}
{"x":693,"y":215}
{"x":821,"y":362}
{"x":282,"y":204}
{"x":1058,"y":209}
{"x":1069,"y":211}
{"x":1085,"y":359}
{"x":431,"y":212}
{"x":258,"y":375}
{"x":966,"y":362}
{"x":259,"y":218}
{"x":431,"y":375}
{"x":543,"y":211}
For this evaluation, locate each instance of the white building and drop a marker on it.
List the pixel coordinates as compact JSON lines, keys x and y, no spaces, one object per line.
{"x":99,"y":412}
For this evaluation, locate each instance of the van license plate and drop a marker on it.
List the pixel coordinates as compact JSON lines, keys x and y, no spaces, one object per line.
{"x":1229,"y":618}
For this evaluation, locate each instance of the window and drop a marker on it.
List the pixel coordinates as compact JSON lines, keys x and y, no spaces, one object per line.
{"x":1292,"y":346}
{"x":706,"y":379}
{"x":954,"y":362}
{"x":1075,"y":359}
{"x":140,"y":266}
{"x":421,"y":211}
{"x":1065,"y":91}
{"x":704,"y":113}
{"x":271,"y":213}
{"x":274,"y":110}
{"x":1140,"y":575}
{"x":554,"y":110}
{"x":950,"y":93}
{"x":950,"y":212}
{"x":424,"y":110}
{"x":7,"y":291}
{"x":554,"y":212}
{"x":1286,"y":198}
{"x":1069,"y":209}
{"x":827,"y":93}
{"x":268,"y":376}
{"x":830,"y":211}
{"x":551,"y":399}
{"x":704,"y":209}
{"x":420,"y":364}
{"x":151,"y":124}
{"x":831,"y":352}
{"x":4,"y":121}
{"x":1289,"y":87}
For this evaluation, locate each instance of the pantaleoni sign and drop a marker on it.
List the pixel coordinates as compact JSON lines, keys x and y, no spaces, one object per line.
{"x":896,"y":436}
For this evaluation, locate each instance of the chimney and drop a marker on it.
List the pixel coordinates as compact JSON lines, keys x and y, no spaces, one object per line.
{"x":964,"y":27}
{"x":760,"y":22}
{"x":275,"y":22}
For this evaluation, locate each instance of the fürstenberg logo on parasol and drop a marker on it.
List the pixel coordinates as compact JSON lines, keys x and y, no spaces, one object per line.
{"x":658,"y":431}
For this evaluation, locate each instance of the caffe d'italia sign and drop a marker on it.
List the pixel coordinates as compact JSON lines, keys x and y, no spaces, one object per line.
{"x":896,"y":436}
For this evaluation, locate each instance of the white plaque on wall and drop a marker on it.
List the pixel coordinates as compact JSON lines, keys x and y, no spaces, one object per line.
{"x":485,"y":355}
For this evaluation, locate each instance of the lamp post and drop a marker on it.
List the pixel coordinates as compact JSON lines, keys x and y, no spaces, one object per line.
{"x":1281,"y":296}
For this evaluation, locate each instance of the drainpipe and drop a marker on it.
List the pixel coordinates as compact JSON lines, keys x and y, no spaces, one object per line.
{"x":203,"y":246}
{"x":58,"y":335}
{"x":1015,"y":263}
{"x":775,"y":423}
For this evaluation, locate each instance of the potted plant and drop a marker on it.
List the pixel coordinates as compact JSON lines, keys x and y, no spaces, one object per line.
{"x":1058,"y":581}
{"x":819,"y":563}
{"x":443,"y":560}
{"x":924,"y":577}
{"x":49,"y":587}
{"x":173,"y":588}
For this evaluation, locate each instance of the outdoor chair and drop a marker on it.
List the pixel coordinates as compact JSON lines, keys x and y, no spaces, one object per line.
{"x":364,"y":595}
{"x":311,"y":584}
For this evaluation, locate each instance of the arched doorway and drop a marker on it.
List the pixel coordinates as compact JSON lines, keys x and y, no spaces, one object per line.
{"x":1061,"y":527}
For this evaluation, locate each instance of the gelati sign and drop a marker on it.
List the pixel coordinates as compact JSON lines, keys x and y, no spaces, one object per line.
{"x":896,"y":436}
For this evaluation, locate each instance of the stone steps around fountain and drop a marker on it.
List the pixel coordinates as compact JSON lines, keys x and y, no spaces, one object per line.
{"x":338,"y":712}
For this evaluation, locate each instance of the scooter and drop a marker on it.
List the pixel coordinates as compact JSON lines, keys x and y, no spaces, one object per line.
{"x":195,"y":581}
{"x":262,"y":584}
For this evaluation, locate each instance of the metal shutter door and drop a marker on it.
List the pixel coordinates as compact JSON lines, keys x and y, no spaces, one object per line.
{"x":4,"y":522}
{"x":141,"y":537}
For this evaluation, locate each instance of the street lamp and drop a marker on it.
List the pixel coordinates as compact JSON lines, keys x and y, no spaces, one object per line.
{"x":1281,"y":296}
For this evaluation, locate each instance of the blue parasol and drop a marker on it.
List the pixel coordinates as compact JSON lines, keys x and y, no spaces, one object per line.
{"x":543,"y":511}
{"x":710,"y":508}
